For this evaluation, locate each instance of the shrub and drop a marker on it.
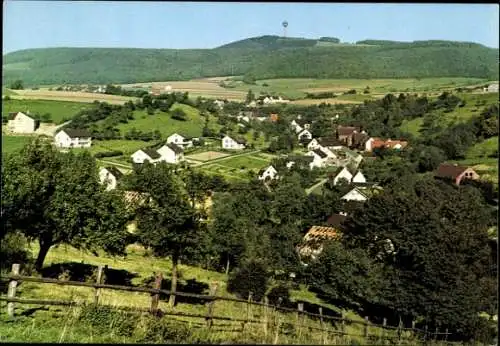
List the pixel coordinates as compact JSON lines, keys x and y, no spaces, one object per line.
{"x":162,"y":330}
{"x":109,"y":154}
{"x":251,"y":276}
{"x":104,"y":319}
{"x":280,"y":291}
{"x":6,"y":98}
{"x":13,"y":250}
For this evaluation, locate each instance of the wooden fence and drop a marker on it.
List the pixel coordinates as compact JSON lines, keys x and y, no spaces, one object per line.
{"x":267,"y":321}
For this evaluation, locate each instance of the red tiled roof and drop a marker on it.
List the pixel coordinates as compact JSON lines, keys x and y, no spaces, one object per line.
{"x":320,"y":232}
{"x":347,"y":130}
{"x":392,"y":143}
{"x":447,"y":170}
{"x":336,"y":220}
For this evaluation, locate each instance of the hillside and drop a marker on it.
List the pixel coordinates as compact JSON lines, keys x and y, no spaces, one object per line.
{"x":265,"y":57}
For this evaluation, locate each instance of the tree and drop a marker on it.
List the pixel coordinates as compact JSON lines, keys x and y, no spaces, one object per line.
{"x":17,"y":85}
{"x":178,"y":114}
{"x":432,"y":238}
{"x":168,"y":223}
{"x":56,"y":198}
{"x":250,"y":96}
{"x":426,"y":158}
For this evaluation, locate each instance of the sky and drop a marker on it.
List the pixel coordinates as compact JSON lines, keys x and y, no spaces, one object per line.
{"x":41,"y":24}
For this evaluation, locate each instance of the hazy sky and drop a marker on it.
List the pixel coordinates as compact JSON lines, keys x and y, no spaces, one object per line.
{"x":36,"y":24}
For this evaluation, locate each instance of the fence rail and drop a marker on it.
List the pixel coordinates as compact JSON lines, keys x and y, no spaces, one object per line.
{"x":14,"y":278}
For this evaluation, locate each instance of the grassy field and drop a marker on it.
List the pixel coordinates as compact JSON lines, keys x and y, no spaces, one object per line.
{"x":128,"y":147}
{"x":57,"y":109}
{"x":71,"y":96}
{"x":55,"y":324}
{"x":11,"y":144}
{"x":166,"y":125}
{"x":478,"y":157}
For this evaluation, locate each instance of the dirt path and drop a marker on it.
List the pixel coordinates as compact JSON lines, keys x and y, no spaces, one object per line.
{"x":311,"y":189}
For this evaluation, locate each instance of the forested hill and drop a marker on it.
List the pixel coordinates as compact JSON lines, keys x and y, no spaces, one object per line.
{"x":263,"y":57}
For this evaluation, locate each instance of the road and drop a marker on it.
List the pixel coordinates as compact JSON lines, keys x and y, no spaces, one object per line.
{"x":311,"y":189}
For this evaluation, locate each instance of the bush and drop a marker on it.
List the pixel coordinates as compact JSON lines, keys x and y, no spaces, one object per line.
{"x":109,"y":154}
{"x":6,"y":98}
{"x":179,"y":114}
{"x":251,"y":276}
{"x":104,"y":319}
{"x":280,"y":291}
{"x":13,"y":250}
{"x":162,"y":330}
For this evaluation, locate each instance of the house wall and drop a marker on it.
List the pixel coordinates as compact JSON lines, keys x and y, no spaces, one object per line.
{"x":62,"y":140}
{"x":313,"y":144}
{"x":229,"y":143}
{"x":469,"y":173}
{"x":305,"y":134}
{"x":354,"y":195}
{"x":21,"y":124}
{"x":140,"y":157}
{"x":359,"y":178}
{"x":105,"y":177}
{"x":343,"y":174}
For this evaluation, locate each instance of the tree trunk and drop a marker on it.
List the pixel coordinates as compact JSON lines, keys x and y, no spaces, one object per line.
{"x":227,"y":266}
{"x":173,"y":287}
{"x":42,"y":253}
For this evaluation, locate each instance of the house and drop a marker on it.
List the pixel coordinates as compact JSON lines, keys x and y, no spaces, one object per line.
{"x":319,"y":158}
{"x":73,"y":138}
{"x":307,"y":160}
{"x":344,"y":133}
{"x":21,"y":123}
{"x":133,"y":199}
{"x":148,"y":154}
{"x":492,"y":88}
{"x":359,"y":139}
{"x":230,"y":143}
{"x":274,"y":117}
{"x":455,"y":173}
{"x":268,"y":173}
{"x":300,"y":124}
{"x":331,"y":143}
{"x":374,"y":142}
{"x":182,"y":141}
{"x":219,"y":103}
{"x":336,"y":220}
{"x":110,"y":176}
{"x":345,"y":173}
{"x":313,"y":242}
{"x":171,"y":153}
{"x":304,"y":135}
{"x":361,"y":193}
{"x":313,"y":144}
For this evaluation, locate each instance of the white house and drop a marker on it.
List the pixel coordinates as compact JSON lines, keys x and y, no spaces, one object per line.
{"x":179,"y":140}
{"x":109,"y":176}
{"x":319,"y":158}
{"x":313,"y":144}
{"x":358,"y":178}
{"x":219,"y":103}
{"x":171,"y":153}
{"x":268,"y":173}
{"x":296,"y":127}
{"x":21,"y":123}
{"x":73,"y":138}
{"x":244,"y":118}
{"x":344,"y":173}
{"x":492,"y":88}
{"x":304,"y":134}
{"x":361,"y":193}
{"x":230,"y":143}
{"x":142,"y":155}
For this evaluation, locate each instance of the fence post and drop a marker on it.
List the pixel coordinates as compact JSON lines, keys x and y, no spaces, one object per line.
{"x":11,"y":293}
{"x":266,"y":302}
{"x":277,"y":319}
{"x":365,"y":332}
{"x":342,"y":326}
{"x":322,"y":325}
{"x":156,"y":297}
{"x":300,"y":308}
{"x":413,"y":328}
{"x":436,"y":333}
{"x":98,"y":281}
{"x":243,"y":324}
{"x":213,"y":291}
{"x":446,"y":335}
{"x":425,"y":332}
{"x":399,"y":331}
{"x":384,"y":324}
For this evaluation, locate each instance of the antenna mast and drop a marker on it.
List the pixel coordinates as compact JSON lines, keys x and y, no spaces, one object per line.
{"x":285,"y":25}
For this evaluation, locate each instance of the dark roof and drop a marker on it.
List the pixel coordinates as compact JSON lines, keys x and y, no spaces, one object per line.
{"x":302,"y":122}
{"x":113,"y":170}
{"x":306,"y":158}
{"x":12,"y":115}
{"x":151,"y":153}
{"x":77,"y":133}
{"x":320,"y":153}
{"x":240,"y":140}
{"x":336,"y":220}
{"x":447,"y":170}
{"x":329,"y":142}
{"x":346,"y":130}
{"x":359,"y":138}
{"x":176,"y":149}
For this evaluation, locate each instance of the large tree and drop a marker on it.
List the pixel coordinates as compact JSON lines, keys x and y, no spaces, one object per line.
{"x":433,"y":238}
{"x":168,"y":223}
{"x":56,"y":198}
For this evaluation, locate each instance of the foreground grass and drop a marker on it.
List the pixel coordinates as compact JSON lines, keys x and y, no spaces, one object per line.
{"x":56,"y":324}
{"x":58,"y":110}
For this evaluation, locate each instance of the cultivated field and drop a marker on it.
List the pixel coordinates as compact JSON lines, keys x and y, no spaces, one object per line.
{"x":72,"y":96}
{"x":207,"y":156}
{"x":58,"y":110}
